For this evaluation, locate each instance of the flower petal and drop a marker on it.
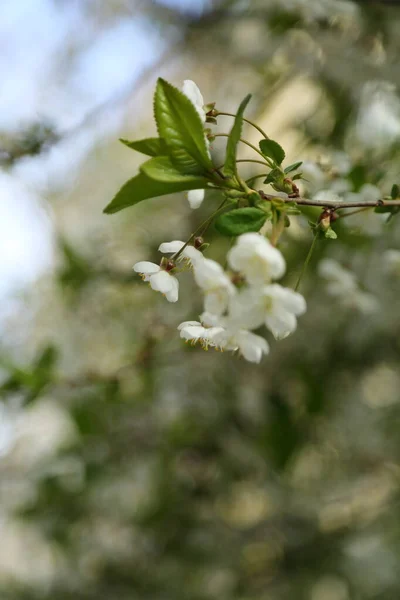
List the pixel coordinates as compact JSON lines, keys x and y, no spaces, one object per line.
{"x":146,"y":267}
{"x":173,"y":294}
{"x":252,"y":346}
{"x":191,"y":91}
{"x":171,"y":247}
{"x":281,"y":324}
{"x":195,"y":198}
{"x":161,"y":282}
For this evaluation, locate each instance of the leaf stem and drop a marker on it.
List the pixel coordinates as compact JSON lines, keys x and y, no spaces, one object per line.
{"x":227,"y":114}
{"x":199,"y":229}
{"x":247,"y":144}
{"x":308,"y":258}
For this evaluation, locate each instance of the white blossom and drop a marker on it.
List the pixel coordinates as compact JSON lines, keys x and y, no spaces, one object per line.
{"x":272,"y":305}
{"x":216,"y":285}
{"x":251,"y":346}
{"x":195,"y":198}
{"x":189,"y":253}
{"x":159,"y":279}
{"x":255,"y":257}
{"x":343,"y":285}
{"x":195,"y":331}
{"x":341,"y":281}
{"x":391,"y":262}
{"x":191,"y":91}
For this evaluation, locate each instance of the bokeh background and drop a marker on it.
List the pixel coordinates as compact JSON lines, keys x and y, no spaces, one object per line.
{"x":133,"y":466}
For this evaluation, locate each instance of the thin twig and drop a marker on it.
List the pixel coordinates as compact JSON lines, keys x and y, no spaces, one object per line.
{"x":330,"y":203}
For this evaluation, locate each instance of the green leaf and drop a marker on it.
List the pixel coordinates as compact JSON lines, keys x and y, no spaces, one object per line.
{"x":357,"y":177}
{"x":161,"y":168}
{"x":149,"y":146}
{"x":330,"y":234}
{"x":230,"y":168}
{"x":293,"y":167}
{"x":179,"y":124}
{"x":274,"y":175}
{"x":240,"y":221}
{"x":395,"y":191}
{"x":142,"y":187}
{"x":272,"y":150}
{"x":298,"y":176}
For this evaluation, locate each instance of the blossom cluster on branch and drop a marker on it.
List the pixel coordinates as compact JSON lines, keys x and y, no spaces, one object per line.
{"x":245,"y":296}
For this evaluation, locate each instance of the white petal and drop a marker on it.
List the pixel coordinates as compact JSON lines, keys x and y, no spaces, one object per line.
{"x":193,"y":332}
{"x":191,"y":91}
{"x":188,"y":324}
{"x":211,"y":320}
{"x":194,"y":255}
{"x":291,"y":301}
{"x":171,"y":247}
{"x":216,"y":301}
{"x":256,"y":259}
{"x":173,"y":294}
{"x":195,"y":198}
{"x":161,"y":282}
{"x":281,"y":324}
{"x":146,"y":267}
{"x":247,"y":309}
{"x":252,"y":346}
{"x":209,"y":275}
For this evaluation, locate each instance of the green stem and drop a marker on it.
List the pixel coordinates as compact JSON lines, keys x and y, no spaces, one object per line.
{"x":199,"y":229}
{"x":251,"y":179}
{"x":308,"y":258}
{"x":246,"y":160}
{"x":227,"y":114}
{"x":247,"y":144}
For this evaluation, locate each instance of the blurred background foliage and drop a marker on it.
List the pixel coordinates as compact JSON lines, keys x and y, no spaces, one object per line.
{"x":134,"y":466}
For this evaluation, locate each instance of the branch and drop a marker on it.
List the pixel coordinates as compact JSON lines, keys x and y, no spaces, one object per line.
{"x":330,"y":203}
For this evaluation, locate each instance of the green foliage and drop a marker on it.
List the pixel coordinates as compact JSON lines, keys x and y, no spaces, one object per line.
{"x":30,"y":382}
{"x":272,"y":149}
{"x":160,"y":168}
{"x":274,"y":176}
{"x":293,"y":167}
{"x":330,"y":234}
{"x":180,"y":125}
{"x":230,"y":167}
{"x":141,"y":188}
{"x":240,"y":221}
{"x":149,"y":146}
{"x":395,"y":191}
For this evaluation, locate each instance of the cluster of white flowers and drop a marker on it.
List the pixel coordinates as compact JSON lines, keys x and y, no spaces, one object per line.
{"x":342,"y":285}
{"x":232,"y":311}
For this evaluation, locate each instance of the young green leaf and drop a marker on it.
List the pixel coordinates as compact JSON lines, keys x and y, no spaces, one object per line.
{"x":293,"y":167}
{"x":149,"y":146}
{"x":395,"y":191}
{"x":274,"y":175}
{"x":230,"y":168}
{"x":142,"y":187}
{"x":161,"y":168}
{"x":240,"y":221}
{"x":330,"y":234}
{"x":272,"y":149}
{"x":179,"y":124}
